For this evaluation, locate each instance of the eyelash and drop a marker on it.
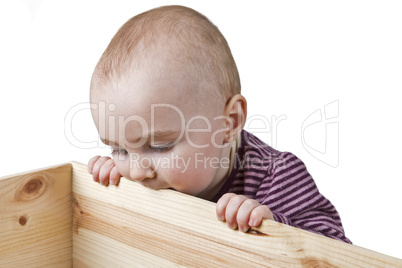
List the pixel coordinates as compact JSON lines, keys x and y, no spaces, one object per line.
{"x":161,"y":149}
{"x":118,"y":152}
{"x":157,"y":149}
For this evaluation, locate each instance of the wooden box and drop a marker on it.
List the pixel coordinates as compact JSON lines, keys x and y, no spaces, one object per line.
{"x":58,"y":217}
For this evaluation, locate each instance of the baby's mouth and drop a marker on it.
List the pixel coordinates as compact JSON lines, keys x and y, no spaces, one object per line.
{"x":150,"y":183}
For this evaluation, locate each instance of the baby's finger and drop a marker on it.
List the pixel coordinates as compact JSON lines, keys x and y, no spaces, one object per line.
{"x":258,"y":214}
{"x":91,"y":163}
{"x":244,"y":212}
{"x":115,"y":176}
{"x":97,"y":166}
{"x":221,"y":205}
{"x":232,"y":208}
{"x":104,"y":172}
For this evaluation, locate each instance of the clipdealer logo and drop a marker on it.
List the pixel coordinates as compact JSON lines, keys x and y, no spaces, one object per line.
{"x":319,"y":131}
{"x":320,"y":134}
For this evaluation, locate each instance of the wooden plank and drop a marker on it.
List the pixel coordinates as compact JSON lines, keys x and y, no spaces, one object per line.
{"x":130,"y":225}
{"x":36,"y":218}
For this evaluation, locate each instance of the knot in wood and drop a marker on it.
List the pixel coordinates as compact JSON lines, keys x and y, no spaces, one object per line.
{"x":33,"y":188}
{"x":23,"y":220}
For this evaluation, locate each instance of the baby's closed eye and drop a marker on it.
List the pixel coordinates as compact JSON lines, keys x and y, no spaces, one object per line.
{"x":119,"y":151}
{"x":161,"y":147}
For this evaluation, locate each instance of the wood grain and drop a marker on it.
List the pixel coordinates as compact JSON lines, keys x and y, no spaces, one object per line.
{"x":36,"y":218}
{"x":130,"y":225}
{"x":133,"y":226}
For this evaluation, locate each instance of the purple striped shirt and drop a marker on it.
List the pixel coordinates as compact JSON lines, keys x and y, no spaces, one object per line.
{"x":281,"y":181}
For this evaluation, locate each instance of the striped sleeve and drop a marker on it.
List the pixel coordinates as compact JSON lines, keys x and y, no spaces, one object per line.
{"x":293,"y":197}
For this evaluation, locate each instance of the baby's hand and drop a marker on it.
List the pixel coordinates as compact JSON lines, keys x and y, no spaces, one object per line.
{"x":103,"y":170}
{"x":240,"y":211}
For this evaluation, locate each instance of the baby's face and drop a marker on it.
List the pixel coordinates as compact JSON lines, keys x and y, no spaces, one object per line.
{"x":159,"y":133}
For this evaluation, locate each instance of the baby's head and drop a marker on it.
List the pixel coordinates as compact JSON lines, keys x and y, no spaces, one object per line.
{"x":170,"y":91}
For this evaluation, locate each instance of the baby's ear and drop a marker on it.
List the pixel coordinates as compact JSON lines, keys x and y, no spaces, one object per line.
{"x":236,"y":111}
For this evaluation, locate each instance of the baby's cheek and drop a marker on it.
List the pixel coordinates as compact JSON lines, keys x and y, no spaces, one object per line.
{"x":176,"y":177}
{"x":198,"y":180}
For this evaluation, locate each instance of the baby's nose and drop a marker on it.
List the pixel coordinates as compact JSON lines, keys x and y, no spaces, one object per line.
{"x":140,"y":173}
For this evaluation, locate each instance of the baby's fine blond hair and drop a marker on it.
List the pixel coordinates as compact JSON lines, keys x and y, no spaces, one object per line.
{"x":180,"y":37}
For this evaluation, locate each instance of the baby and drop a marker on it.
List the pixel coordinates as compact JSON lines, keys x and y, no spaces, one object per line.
{"x":172,"y":112}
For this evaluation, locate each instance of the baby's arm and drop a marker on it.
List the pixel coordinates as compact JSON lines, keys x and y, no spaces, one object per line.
{"x":103,"y":170}
{"x":294,"y":199}
{"x":240,"y":211}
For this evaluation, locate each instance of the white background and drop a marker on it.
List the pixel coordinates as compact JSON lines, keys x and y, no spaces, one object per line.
{"x":294,"y":58}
